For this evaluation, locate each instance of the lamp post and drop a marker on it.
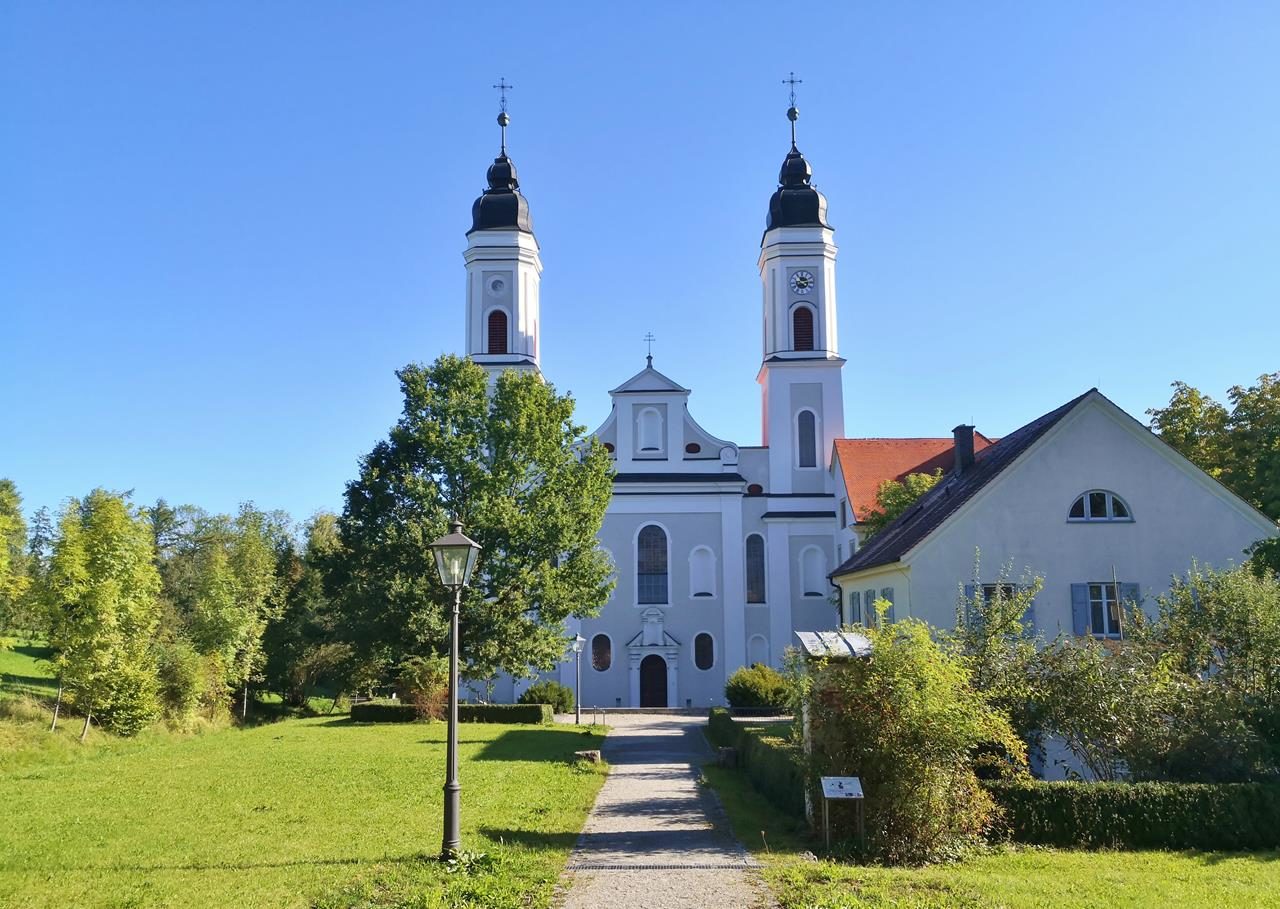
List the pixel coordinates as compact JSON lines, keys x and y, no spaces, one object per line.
{"x":455,"y":556}
{"x":578,"y":642}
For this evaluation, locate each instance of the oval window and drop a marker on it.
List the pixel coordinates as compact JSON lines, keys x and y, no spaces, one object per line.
{"x":692,"y":448}
{"x":704,"y":651}
{"x":601,"y":652}
{"x":755,"y":489}
{"x":608,"y":446}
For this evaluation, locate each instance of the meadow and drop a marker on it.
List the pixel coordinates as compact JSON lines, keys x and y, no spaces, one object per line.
{"x":1002,"y":878}
{"x":303,"y":812}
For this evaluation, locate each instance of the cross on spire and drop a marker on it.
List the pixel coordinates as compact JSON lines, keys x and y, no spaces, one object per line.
{"x":649,"y":339}
{"x":502,"y":87}
{"x":793,"y":112}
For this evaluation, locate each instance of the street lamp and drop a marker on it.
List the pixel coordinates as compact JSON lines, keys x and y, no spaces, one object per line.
{"x":578,"y":642}
{"x":455,"y":556}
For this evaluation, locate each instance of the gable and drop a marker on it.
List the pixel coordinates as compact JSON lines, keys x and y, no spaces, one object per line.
{"x":649,"y":380}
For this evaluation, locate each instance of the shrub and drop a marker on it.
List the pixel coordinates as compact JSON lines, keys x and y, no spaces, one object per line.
{"x":180,"y":670}
{"x":1142,"y":815}
{"x":754,"y":687}
{"x":775,"y":767}
{"x":539,"y":714}
{"x":424,"y":682}
{"x":560,"y":697}
{"x":722,"y":731}
{"x":384,"y":712}
{"x":906,"y":720}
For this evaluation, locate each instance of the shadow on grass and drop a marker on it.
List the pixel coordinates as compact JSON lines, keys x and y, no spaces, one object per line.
{"x":229,"y":866}
{"x":1217,"y":858}
{"x":528,"y":838}
{"x":532,"y":745}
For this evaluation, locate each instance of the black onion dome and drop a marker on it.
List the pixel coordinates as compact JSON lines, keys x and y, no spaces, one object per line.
{"x":795,"y":203}
{"x":501,"y":206}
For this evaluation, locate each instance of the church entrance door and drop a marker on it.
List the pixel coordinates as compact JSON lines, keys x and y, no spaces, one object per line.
{"x":653,"y":681}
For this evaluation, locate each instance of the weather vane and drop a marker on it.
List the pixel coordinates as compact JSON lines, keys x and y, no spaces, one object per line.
{"x":502,"y":87}
{"x":649,"y":339}
{"x":793,"y":112}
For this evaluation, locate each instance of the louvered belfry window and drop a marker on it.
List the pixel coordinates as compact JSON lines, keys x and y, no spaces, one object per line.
{"x":802,"y":328}
{"x":497,"y":332}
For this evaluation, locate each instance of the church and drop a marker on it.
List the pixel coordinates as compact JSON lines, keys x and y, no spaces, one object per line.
{"x":724,"y":550}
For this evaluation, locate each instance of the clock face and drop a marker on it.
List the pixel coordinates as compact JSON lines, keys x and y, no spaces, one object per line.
{"x":802,"y":282}
{"x":496,"y":286}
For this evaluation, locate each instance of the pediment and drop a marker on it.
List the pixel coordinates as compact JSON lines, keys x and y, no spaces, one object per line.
{"x":649,"y":381}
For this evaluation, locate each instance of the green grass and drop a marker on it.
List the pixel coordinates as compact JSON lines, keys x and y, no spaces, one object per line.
{"x":306,"y":812}
{"x":24,"y":670}
{"x":1008,"y":878}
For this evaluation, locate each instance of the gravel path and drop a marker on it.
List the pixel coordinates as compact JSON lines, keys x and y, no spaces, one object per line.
{"x":655,"y":838}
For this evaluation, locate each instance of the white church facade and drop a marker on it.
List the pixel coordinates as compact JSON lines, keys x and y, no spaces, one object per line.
{"x":723,"y":550}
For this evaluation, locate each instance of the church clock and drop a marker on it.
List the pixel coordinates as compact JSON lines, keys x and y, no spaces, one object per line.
{"x":801,"y":282}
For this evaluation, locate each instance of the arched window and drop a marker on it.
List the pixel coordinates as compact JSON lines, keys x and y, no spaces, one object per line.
{"x":758,"y":650}
{"x":1099,"y":505}
{"x":702,"y":572}
{"x":813,"y":571}
{"x":650,"y":426}
{"x":497,"y":332}
{"x":807,"y":438}
{"x":755,"y":569}
{"x":601,"y":652}
{"x":651,"y":565}
{"x":802,"y":328}
{"x":704,"y":651}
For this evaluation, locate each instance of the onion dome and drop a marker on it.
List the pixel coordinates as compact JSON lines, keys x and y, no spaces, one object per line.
{"x":501,"y":206}
{"x":796,"y":203}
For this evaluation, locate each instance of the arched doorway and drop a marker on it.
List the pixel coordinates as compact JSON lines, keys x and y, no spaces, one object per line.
{"x":653,"y":681}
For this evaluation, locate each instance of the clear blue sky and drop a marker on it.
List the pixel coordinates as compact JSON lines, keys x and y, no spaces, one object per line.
{"x":223,"y":226}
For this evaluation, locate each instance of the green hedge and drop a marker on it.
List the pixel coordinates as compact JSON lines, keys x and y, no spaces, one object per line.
{"x":539,"y":714}
{"x":1207,"y":816}
{"x":383,"y":712}
{"x":770,"y":762}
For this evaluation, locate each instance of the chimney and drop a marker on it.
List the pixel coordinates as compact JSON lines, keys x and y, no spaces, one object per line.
{"x":964,"y":448}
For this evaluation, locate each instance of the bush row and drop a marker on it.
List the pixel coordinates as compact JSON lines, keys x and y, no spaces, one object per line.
{"x":770,"y":762}
{"x":1227,"y":816}
{"x":397,"y":712}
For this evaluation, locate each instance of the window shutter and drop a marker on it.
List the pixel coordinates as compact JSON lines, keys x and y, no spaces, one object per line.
{"x":855,"y":608}
{"x":1080,"y":608}
{"x":887,"y":594}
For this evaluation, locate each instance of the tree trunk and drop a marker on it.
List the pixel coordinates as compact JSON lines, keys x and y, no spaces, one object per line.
{"x":244,"y":707}
{"x":57,"y":705}
{"x":334,"y":705}
{"x":84,"y":733}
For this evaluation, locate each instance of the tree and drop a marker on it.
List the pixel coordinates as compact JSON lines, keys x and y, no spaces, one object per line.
{"x":102,"y":594}
{"x":894,"y":497}
{"x":14,"y":578}
{"x":530,"y":487}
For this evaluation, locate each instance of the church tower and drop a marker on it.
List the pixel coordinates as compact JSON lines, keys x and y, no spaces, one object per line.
{"x":800,"y":377}
{"x":503,"y":272}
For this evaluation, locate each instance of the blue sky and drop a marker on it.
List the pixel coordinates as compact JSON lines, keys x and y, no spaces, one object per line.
{"x":225,"y":225}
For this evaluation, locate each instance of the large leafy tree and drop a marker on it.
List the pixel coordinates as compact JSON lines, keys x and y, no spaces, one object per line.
{"x":14,"y":577}
{"x":102,"y":592}
{"x":893,"y":497}
{"x":530,"y":487}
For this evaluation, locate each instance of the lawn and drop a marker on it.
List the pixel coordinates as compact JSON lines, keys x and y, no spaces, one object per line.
{"x":306,"y":812}
{"x":1009,"y":878}
{"x":24,"y":670}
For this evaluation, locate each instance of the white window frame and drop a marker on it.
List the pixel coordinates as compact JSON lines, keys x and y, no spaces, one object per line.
{"x":1104,"y":601}
{"x":488,"y":310}
{"x":791,"y":326}
{"x":746,"y":569}
{"x":1109,"y":517}
{"x":693,"y":651}
{"x":591,"y":659}
{"x":635,"y":564}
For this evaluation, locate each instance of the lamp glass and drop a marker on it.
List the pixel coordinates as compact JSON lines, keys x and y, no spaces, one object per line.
{"x":578,"y":642}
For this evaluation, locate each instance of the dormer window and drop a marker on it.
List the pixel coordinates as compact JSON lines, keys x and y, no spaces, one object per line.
{"x":1099,"y":505}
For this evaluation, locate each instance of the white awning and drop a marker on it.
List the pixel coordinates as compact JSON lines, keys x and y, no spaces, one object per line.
{"x":834,"y":645}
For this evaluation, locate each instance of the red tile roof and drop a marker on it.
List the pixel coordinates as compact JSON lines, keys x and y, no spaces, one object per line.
{"x":866,"y":463}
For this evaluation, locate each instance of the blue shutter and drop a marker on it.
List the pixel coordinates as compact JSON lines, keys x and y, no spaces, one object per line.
{"x":886,"y":593}
{"x":967,"y":618}
{"x":1079,"y":608}
{"x":855,"y":608}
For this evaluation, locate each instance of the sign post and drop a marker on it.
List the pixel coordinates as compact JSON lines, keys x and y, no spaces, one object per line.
{"x":841,"y":787}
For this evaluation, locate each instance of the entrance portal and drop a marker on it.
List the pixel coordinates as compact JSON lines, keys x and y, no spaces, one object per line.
{"x":653,"y":681}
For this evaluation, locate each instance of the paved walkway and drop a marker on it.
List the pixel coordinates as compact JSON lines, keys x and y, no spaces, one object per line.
{"x":655,"y":838}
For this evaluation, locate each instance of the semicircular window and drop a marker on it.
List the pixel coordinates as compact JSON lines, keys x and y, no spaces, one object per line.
{"x":1099,"y":505}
